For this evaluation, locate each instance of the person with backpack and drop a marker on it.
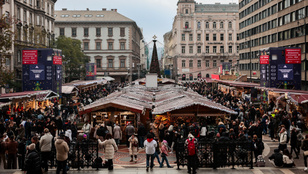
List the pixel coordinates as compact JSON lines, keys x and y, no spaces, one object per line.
{"x":276,"y":159}
{"x":191,"y":143}
{"x":283,"y":139}
{"x":305,"y":149}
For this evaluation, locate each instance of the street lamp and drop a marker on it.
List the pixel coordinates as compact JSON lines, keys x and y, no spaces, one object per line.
{"x":305,"y":61}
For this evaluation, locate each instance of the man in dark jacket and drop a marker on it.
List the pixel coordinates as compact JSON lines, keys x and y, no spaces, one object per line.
{"x":33,"y":161}
{"x":141,"y":134}
{"x":276,"y":158}
{"x":258,"y":146}
{"x":21,"y":152}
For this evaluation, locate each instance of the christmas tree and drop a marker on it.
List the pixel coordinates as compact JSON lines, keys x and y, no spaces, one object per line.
{"x":154,"y":67}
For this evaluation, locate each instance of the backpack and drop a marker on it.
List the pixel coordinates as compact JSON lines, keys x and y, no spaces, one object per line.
{"x":305,"y":145}
{"x":191,"y":147}
{"x":260,"y":161}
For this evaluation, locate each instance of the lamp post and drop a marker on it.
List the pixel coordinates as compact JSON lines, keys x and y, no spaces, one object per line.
{"x":305,"y":61}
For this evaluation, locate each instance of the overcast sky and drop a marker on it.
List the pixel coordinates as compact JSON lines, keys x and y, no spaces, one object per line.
{"x":155,"y":17}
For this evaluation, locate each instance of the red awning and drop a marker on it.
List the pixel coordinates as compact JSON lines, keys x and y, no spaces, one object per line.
{"x":215,"y":76}
{"x":301,"y":99}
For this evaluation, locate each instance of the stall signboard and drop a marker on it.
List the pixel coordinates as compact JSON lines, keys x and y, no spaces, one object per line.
{"x":57,"y":60}
{"x":264,"y":59}
{"x":215,"y":76}
{"x":29,"y":57}
{"x":293,"y":56}
{"x":37,"y":72}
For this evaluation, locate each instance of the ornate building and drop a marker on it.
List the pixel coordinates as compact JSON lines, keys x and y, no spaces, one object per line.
{"x":109,"y":39}
{"x":203,"y":36}
{"x":33,"y":27}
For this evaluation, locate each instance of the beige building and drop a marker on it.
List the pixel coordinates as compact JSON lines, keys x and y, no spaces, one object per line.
{"x":269,"y":23}
{"x":203,"y":36}
{"x":33,"y":27}
{"x":109,"y":39}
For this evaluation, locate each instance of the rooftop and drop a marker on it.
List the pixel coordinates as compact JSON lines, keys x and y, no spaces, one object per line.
{"x":217,"y":8}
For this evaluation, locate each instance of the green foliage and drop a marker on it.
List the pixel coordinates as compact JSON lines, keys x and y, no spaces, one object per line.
{"x":6,"y":35}
{"x":74,"y":59}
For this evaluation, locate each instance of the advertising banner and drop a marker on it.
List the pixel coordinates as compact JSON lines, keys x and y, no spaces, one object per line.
{"x":264,"y":59}
{"x":226,"y":66}
{"x":90,"y":69}
{"x":37,"y":72}
{"x":29,"y":57}
{"x":57,"y":60}
{"x":285,"y":72}
{"x":293,"y":56}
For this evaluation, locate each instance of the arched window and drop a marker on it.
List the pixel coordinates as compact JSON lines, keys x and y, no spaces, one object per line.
{"x":186,"y":25}
{"x":214,"y":24}
{"x":199,"y":25}
{"x":230,"y":25}
{"x":221,"y":24}
{"x":207,"y":25}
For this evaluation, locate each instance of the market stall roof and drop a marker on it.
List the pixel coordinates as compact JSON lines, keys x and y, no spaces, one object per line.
{"x":40,"y":95}
{"x":165,"y":98}
{"x":238,"y":84}
{"x":299,"y":92}
{"x":108,"y":78}
{"x":84,"y":83}
{"x":160,"y":80}
{"x":4,"y":104}
{"x":68,"y":89}
{"x":208,"y":80}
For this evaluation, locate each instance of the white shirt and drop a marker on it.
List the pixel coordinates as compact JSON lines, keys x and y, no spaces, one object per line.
{"x":203,"y":131}
{"x":150,"y":146}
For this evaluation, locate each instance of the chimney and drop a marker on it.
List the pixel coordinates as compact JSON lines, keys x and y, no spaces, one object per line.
{"x":104,"y":9}
{"x":87,"y":9}
{"x":64,"y":9}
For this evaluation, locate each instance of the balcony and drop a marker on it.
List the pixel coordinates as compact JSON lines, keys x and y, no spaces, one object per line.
{"x":187,"y":29}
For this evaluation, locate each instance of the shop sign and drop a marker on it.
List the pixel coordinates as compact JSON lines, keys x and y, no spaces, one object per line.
{"x":264,"y":59}
{"x":293,"y":56}
{"x":29,"y":57}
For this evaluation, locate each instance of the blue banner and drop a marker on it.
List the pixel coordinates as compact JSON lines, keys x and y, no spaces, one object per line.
{"x":285,"y":72}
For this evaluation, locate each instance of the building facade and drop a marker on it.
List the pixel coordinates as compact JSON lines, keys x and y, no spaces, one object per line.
{"x":33,"y":26}
{"x":203,"y":36}
{"x":270,"y":23}
{"x":109,"y":39}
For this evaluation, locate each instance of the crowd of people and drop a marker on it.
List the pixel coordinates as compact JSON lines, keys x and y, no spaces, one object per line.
{"x":28,"y":137}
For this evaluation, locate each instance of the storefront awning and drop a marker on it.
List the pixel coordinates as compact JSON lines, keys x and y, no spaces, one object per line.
{"x":39,"y":95}
{"x":68,"y":89}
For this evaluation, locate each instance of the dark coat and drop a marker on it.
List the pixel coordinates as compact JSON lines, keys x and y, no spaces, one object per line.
{"x":33,"y":162}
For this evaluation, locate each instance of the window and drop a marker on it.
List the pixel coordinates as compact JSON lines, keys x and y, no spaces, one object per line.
{"x":214,"y":63}
{"x":74,"y":32}
{"x":30,"y":18}
{"x":230,"y":25}
{"x":183,"y":63}
{"x":122,"y":63}
{"x":186,"y":25}
{"x":98,"y":46}
{"x":214,"y":24}
{"x":199,"y":64}
{"x":98,"y":32}
{"x":230,"y":49}
{"x":221,"y":37}
{"x":199,"y":49}
{"x":98,"y":63}
{"x":207,"y":25}
{"x":86,"y":45}
{"x":222,"y":49}
{"x":122,"y":32}
{"x":191,"y":49}
{"x":191,"y":63}
{"x":62,"y":31}
{"x":86,"y":32}
{"x":18,"y":13}
{"x":199,"y":37}
{"x":207,"y":49}
{"x":221,"y":24}
{"x":25,"y":16}
{"x":110,"y":32}
{"x":214,"y":37}
{"x":183,"y":49}
{"x":237,"y":49}
{"x":207,"y":63}
{"x":207,"y":37}
{"x":183,"y":37}
{"x":186,"y":11}
{"x":214,"y":49}
{"x":199,"y":25}
{"x":230,"y":36}
{"x":110,"y":63}
{"x":122,"y":45}
{"x":190,"y":37}
{"x":110,"y":45}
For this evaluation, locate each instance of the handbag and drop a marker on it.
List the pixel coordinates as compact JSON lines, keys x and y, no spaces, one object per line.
{"x":163,"y":154}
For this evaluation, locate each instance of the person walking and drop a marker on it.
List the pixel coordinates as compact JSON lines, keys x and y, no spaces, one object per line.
{"x":110,"y":147}
{"x":283,"y":139}
{"x":21,"y":152}
{"x":141,"y":134}
{"x":62,"y":153}
{"x":2,"y":152}
{"x":86,"y":128}
{"x":33,"y":161}
{"x":133,"y":147}
{"x":150,"y":145}
{"x":164,"y":154}
{"x":157,"y":151}
{"x":45,"y":146}
{"x":191,"y":145}
{"x":12,"y":149}
{"x":293,"y":143}
{"x":130,"y":130}
{"x":305,"y":149}
{"x":117,"y":134}
{"x":258,"y":146}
